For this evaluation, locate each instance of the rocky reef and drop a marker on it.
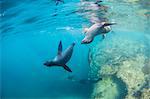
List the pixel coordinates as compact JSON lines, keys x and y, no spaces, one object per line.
{"x":120,"y":57}
{"x":105,"y":87}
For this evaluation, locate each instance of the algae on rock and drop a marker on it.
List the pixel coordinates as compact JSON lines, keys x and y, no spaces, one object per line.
{"x":131,"y":73}
{"x":121,"y":56}
{"x":105,"y":89}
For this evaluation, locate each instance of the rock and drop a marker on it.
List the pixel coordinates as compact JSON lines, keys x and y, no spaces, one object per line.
{"x":105,"y":89}
{"x":131,"y":73}
{"x":146,"y":94}
{"x":121,"y":56}
{"x":146,"y":68}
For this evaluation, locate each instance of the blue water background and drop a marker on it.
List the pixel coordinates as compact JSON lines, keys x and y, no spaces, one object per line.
{"x":30,"y":36}
{"x":30,"y":44}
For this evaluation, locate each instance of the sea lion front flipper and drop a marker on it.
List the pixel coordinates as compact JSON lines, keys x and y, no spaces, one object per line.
{"x":59,"y":48}
{"x":67,"y":68}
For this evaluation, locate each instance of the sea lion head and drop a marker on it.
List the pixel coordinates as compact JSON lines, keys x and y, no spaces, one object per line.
{"x":86,"y":40}
{"x":49,"y":63}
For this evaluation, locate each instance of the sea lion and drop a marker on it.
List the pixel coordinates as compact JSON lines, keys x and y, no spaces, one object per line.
{"x":58,"y":1}
{"x":62,"y":57}
{"x":96,"y":29}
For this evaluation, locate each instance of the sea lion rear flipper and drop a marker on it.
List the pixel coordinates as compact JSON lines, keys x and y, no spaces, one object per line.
{"x":67,"y":68}
{"x":98,"y":1}
{"x":108,"y":24}
{"x":59,"y":48}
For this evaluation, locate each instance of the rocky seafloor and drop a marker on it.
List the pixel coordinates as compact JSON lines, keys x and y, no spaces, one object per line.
{"x":123,"y":62}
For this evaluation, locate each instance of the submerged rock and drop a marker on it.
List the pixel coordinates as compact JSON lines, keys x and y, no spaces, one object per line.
{"x":109,"y":88}
{"x":105,"y":89}
{"x":146,"y":68}
{"x":145,"y":94}
{"x":124,"y":57}
{"x":131,"y":73}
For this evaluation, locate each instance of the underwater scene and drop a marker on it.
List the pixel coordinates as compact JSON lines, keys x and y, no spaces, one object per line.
{"x":75,"y":49}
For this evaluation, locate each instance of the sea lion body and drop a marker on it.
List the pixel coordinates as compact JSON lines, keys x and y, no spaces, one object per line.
{"x":94,"y":30}
{"x":65,"y":56}
{"x":62,"y":57}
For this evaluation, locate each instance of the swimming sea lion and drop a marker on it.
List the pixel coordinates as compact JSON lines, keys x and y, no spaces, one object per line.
{"x":62,"y":57}
{"x":96,"y":29}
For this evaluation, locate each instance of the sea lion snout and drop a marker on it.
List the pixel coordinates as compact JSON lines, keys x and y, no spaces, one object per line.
{"x":47,"y":63}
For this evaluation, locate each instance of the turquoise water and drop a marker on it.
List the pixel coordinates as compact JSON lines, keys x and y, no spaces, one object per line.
{"x":30,"y":34}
